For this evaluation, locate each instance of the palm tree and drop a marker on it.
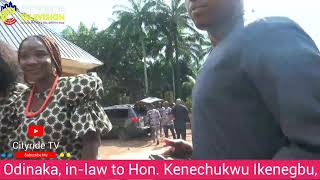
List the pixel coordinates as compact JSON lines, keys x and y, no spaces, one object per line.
{"x":197,"y":48}
{"x":132,"y":20}
{"x":157,"y":29}
{"x":180,"y":39}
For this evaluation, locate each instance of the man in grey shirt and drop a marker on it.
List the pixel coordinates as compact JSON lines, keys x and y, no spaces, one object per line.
{"x":257,"y":95}
{"x":167,"y":120}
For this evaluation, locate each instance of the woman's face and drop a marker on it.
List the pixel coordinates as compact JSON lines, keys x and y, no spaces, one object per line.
{"x":35,"y":60}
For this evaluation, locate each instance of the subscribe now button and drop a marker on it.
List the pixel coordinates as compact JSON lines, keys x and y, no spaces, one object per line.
{"x":35,"y":155}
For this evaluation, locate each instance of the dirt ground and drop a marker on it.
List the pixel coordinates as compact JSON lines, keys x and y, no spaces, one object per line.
{"x":134,"y":149}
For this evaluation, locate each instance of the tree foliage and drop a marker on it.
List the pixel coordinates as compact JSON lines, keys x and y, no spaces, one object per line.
{"x":147,"y":33}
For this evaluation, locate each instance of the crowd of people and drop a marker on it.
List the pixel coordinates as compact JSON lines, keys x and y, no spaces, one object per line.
{"x":165,"y":118}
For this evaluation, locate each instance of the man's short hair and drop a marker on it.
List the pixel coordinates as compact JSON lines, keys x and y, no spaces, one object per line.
{"x":178,"y":101}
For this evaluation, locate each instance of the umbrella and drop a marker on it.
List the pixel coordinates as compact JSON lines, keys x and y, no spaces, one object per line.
{"x":150,"y":100}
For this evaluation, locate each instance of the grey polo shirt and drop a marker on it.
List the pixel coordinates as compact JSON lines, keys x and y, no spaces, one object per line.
{"x":258,"y":95}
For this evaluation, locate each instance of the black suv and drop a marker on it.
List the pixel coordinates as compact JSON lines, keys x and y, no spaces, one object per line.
{"x":125,"y":122}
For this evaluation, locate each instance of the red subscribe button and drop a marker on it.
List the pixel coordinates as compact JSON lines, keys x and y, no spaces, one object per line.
{"x":36,"y":155}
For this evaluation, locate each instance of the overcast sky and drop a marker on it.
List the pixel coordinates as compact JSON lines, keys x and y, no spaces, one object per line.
{"x":99,"y":12}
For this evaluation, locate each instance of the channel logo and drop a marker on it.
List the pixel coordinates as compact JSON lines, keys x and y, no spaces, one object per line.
{"x":36,"y":131}
{"x":7,"y":12}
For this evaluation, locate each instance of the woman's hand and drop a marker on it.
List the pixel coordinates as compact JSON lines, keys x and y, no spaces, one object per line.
{"x":90,"y":145}
{"x":178,"y":149}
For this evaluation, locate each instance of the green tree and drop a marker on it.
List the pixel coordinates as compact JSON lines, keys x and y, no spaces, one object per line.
{"x":179,"y":38}
{"x":121,"y":70}
{"x":146,"y":34}
{"x":132,"y":20}
{"x":84,"y":37}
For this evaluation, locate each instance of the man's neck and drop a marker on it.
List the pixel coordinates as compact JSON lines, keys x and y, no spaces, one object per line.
{"x":44,"y":84}
{"x":220,"y":31}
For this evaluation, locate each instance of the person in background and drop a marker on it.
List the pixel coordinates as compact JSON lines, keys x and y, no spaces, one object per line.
{"x":257,"y":94}
{"x":167,"y":120}
{"x":181,"y":116}
{"x":154,"y":117}
{"x":10,"y":56}
{"x":172,"y":105}
{"x":10,"y":90}
{"x":160,"y":109}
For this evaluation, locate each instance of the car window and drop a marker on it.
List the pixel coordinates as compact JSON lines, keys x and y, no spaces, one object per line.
{"x":132,"y":113}
{"x":117,"y":113}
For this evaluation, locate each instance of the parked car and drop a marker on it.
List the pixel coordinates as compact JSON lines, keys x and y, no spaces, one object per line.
{"x":125,"y":122}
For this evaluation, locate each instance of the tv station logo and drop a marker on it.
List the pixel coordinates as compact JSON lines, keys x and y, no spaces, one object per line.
{"x":7,"y":12}
{"x":36,"y":14}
